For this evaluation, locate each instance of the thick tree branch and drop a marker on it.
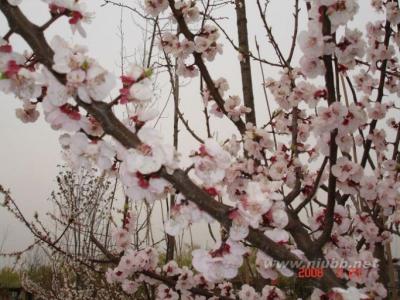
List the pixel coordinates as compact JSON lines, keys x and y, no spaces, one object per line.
{"x":198,"y":60}
{"x":245,"y":65}
{"x":295,"y":31}
{"x":333,"y":148}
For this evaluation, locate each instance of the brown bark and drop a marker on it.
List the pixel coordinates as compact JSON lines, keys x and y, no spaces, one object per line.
{"x":333,"y":148}
{"x":205,"y":74}
{"x":171,"y":239}
{"x":245,"y":65}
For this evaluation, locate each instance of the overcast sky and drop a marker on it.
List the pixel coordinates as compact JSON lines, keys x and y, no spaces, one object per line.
{"x":29,"y":154}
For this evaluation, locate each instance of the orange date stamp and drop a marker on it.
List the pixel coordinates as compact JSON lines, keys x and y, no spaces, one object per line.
{"x":312,"y":272}
{"x":307,"y":272}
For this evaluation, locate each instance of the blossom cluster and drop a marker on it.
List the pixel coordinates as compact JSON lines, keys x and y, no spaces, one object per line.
{"x":76,"y":11}
{"x":252,"y":175}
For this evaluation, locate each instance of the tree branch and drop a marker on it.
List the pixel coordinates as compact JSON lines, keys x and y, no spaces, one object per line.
{"x":245,"y":65}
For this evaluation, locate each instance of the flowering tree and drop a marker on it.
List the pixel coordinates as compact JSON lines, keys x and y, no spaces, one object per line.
{"x":317,"y":182}
{"x":85,"y":208}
